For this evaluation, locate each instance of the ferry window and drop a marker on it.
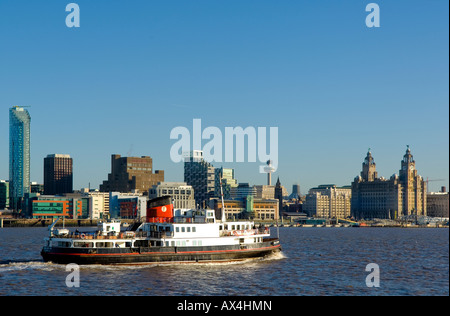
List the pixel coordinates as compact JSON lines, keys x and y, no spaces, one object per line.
{"x":233,"y":227}
{"x":184,"y":242}
{"x":83,"y":244}
{"x":188,"y":229}
{"x":105,"y":244}
{"x":220,"y":227}
{"x":199,"y":243}
{"x":177,"y":229}
{"x":194,"y":243}
{"x":182,"y":229}
{"x":178,"y":242}
{"x":167,"y":244}
{"x":194,"y":229}
{"x":172,"y":243}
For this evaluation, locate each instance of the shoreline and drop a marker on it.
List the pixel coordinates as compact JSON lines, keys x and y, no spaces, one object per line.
{"x":11,"y":223}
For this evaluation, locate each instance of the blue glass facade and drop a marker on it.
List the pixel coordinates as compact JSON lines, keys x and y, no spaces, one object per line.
{"x":19,"y":154}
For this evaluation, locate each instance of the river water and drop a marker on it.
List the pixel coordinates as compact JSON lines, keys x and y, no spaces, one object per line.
{"x":314,"y":261}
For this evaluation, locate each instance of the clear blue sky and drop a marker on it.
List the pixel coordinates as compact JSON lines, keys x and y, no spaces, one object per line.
{"x":136,"y":69}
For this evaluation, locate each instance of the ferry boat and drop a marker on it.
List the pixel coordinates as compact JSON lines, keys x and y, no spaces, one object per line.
{"x":167,"y":235}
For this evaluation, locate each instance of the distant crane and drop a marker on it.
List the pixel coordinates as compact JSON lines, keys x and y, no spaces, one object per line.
{"x":432,"y":180}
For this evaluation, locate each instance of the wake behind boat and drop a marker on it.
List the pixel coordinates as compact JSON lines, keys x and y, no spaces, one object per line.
{"x":168,"y":235}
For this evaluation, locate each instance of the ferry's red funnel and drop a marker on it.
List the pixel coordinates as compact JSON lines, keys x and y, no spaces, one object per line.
{"x":161,"y":207}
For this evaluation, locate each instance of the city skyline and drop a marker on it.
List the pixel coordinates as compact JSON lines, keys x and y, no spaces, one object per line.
{"x":126,"y":77}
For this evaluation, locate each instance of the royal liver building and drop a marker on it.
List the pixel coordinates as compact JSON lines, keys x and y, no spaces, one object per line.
{"x":403,"y":194}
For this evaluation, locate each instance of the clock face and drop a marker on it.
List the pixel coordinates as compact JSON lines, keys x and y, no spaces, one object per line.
{"x":411,"y":167}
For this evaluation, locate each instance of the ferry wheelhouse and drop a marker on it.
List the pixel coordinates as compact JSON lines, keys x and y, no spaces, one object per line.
{"x":167,"y":235}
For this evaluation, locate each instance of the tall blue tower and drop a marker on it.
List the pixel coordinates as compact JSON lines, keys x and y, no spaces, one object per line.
{"x":19,"y":154}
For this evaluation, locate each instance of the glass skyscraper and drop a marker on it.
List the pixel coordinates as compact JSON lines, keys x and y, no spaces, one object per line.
{"x":19,"y":154}
{"x":200,"y":175}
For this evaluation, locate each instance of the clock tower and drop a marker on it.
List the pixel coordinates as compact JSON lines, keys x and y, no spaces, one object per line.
{"x":413,"y":187}
{"x":408,"y":165}
{"x":369,"y":172}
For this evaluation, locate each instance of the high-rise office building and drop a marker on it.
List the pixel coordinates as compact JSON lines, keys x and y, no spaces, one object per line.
{"x":19,"y":154}
{"x":4,"y":194}
{"x":58,"y":174}
{"x":130,"y":174}
{"x":200,"y":175}
{"x":243,"y":190}
{"x":295,"y":195}
{"x":226,"y":176}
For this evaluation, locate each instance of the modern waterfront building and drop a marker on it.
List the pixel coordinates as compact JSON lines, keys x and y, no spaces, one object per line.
{"x":4,"y":194}
{"x":131,"y":173}
{"x":36,"y":188}
{"x":96,"y":207}
{"x":58,"y":174}
{"x":328,"y":201}
{"x":98,"y":204}
{"x":437,"y":204}
{"x":19,"y":155}
{"x":242,"y":191}
{"x":248,"y":207}
{"x":226,"y":176}
{"x":127,"y":205}
{"x":181,"y":193}
{"x":52,"y":206}
{"x":377,"y":197}
{"x":200,"y":175}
